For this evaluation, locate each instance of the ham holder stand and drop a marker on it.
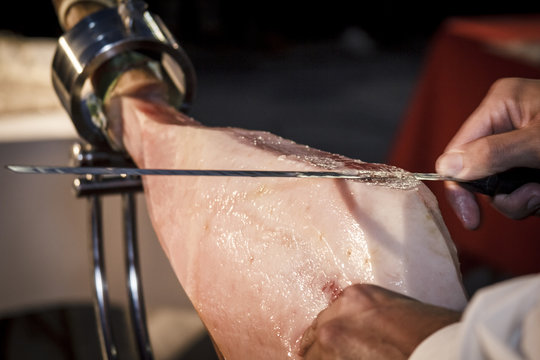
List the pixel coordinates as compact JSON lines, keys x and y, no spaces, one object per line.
{"x":89,"y":58}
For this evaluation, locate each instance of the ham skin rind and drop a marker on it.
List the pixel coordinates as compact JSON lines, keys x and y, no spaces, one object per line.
{"x":260,"y":257}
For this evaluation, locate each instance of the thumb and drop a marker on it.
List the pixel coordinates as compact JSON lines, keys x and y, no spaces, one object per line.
{"x":491,"y":154}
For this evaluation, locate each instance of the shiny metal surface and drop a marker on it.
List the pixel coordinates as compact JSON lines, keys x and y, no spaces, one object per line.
{"x":101,"y":294}
{"x":433,"y":177}
{"x":84,"y":156}
{"x":101,"y":37}
{"x":133,"y":281}
{"x":94,"y":187}
{"x":126,"y":171}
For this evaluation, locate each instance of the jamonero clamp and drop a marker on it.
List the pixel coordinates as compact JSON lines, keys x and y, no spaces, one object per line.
{"x":108,"y":43}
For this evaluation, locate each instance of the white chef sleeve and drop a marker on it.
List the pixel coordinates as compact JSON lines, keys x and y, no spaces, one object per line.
{"x":502,"y":322}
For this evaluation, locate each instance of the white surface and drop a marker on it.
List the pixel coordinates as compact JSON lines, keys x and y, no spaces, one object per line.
{"x":29,"y":108}
{"x":25,"y":75}
{"x":37,"y":125}
{"x":500,"y":323}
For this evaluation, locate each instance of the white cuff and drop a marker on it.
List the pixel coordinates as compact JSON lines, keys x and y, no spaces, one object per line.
{"x":441,"y":345}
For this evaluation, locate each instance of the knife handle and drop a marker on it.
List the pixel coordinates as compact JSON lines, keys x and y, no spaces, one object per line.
{"x":504,"y":182}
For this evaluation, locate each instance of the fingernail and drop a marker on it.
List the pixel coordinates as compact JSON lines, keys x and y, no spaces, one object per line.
{"x":533,"y":204}
{"x":450,"y":164}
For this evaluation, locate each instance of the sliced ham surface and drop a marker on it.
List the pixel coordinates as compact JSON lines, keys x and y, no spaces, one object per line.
{"x":261,"y":257}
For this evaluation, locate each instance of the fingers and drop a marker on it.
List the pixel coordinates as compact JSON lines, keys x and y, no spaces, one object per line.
{"x":370,"y":322}
{"x":332,"y":340}
{"x":492,"y":154}
{"x":358,"y":297}
{"x":325,"y":333}
{"x":521,"y":203}
{"x":308,"y":339}
{"x":497,"y":113}
{"x":487,"y":156}
{"x":464,"y":205}
{"x":503,"y":132}
{"x":310,"y":342}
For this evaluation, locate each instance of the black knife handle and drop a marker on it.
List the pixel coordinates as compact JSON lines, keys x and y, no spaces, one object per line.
{"x":503,"y":183}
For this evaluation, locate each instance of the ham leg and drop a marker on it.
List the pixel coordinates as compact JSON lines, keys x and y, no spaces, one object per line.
{"x":260,"y":258}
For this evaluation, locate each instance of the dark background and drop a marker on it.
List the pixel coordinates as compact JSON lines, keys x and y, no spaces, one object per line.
{"x":334,"y":75}
{"x":266,"y":24}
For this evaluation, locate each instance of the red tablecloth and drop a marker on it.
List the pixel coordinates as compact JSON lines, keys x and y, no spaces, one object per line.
{"x":460,"y":66}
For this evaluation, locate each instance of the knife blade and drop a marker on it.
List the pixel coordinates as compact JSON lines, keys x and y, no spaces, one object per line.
{"x":128,"y":171}
{"x":501,"y":183}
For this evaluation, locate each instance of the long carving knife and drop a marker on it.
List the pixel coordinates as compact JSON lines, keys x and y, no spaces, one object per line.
{"x":502,"y":183}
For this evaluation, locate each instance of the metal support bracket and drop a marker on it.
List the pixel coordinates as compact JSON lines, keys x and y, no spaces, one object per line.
{"x":93,"y":189}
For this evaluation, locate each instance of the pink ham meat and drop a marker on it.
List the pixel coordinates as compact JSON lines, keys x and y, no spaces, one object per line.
{"x":260,"y":258}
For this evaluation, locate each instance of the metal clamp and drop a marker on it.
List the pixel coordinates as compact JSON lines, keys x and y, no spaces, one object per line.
{"x":100,"y":38}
